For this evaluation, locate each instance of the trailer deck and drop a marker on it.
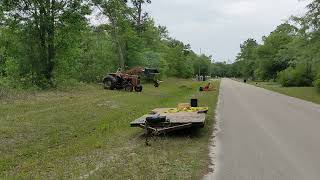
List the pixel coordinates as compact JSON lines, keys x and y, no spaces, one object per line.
{"x":178,"y":118}
{"x":174,"y":121}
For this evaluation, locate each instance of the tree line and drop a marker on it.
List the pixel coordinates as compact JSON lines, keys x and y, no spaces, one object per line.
{"x":45,"y":43}
{"x":289,"y":55}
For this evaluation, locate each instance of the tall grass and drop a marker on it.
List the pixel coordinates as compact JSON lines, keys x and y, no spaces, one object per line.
{"x":85,"y":132}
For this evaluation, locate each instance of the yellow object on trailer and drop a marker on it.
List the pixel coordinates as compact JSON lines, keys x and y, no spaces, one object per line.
{"x":187,"y":109}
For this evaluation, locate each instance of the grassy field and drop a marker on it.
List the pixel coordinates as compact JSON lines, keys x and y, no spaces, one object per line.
{"x":84,"y":133}
{"x":306,"y":93}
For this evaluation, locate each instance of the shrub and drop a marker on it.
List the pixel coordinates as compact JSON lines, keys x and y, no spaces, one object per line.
{"x":4,"y":83}
{"x":301,"y":75}
{"x":4,"y":88}
{"x":317,"y":82}
{"x":286,"y":77}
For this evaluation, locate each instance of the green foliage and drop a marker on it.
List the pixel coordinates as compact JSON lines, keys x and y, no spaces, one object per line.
{"x":11,"y":68}
{"x":51,"y":43}
{"x":265,"y":61}
{"x":247,"y":57}
{"x":4,"y":83}
{"x":289,"y":54}
{"x":317,"y":82}
{"x":271,"y":56}
{"x":155,"y":60}
{"x":35,"y":27}
{"x":299,"y":76}
{"x":222,"y":69}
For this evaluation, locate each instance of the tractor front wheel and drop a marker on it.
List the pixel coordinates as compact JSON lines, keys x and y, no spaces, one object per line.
{"x":138,"y":88}
{"x":128,"y":88}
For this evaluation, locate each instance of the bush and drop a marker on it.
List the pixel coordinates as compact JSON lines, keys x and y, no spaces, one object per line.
{"x":4,"y":83}
{"x":317,"y":82}
{"x":299,"y":76}
{"x":4,"y":88}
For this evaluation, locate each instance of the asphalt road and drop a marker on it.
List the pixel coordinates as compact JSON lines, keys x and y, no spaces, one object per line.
{"x":265,"y":135}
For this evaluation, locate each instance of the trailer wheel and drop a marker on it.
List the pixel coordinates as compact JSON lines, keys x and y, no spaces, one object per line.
{"x":138,"y":88}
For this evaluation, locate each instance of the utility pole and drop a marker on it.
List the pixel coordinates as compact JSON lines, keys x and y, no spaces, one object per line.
{"x":200,"y":65}
{"x":210,"y":67}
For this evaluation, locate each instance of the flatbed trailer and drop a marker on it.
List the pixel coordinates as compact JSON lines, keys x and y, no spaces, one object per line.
{"x":175,"y":121}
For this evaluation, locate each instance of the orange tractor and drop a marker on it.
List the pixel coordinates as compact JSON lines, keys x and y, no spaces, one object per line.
{"x":127,"y":80}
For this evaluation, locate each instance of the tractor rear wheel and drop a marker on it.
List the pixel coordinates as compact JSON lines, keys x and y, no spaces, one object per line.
{"x":109,"y":83}
{"x":138,"y":88}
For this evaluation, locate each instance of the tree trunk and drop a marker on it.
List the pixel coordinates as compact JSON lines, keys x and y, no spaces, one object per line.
{"x":117,"y":42}
{"x":51,"y":47}
{"x":42,"y":37}
{"x":139,"y":17}
{"x":121,"y":57}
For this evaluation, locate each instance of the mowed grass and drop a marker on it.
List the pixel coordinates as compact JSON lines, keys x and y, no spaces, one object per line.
{"x":305,"y":93}
{"x":84,"y":133}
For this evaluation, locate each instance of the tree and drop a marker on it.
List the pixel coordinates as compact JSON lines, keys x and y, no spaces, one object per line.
{"x":118,"y":14}
{"x":289,"y":54}
{"x":51,"y":42}
{"x":247,"y":57}
{"x":272,"y":55}
{"x":312,"y":17}
{"x":40,"y":19}
{"x":222,"y":69}
{"x":138,"y":15}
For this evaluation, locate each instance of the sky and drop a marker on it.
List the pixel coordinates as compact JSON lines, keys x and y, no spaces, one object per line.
{"x":218,"y":27}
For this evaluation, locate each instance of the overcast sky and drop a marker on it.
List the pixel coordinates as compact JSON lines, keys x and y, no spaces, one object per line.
{"x":218,"y":27}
